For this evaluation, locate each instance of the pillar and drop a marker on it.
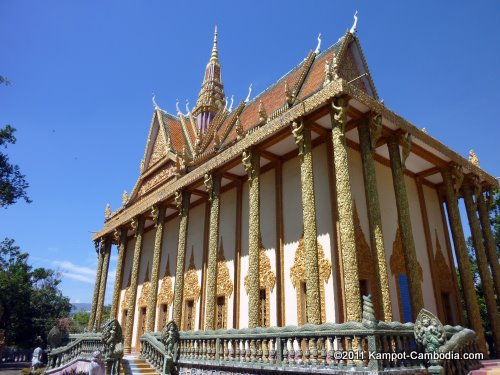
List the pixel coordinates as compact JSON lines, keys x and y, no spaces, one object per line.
{"x":345,"y":211}
{"x":302,"y":137}
{"x":375,"y":219}
{"x":489,"y":241}
{"x":182,"y":203}
{"x":158,"y":213}
{"x":482,"y":263}
{"x":404,"y":221}
{"x":212,"y":183}
{"x":97,"y":285}
{"x":251,"y":162}
{"x":138,"y":228}
{"x":121,"y":237}
{"x":462,"y":255}
{"x":106,"y":248}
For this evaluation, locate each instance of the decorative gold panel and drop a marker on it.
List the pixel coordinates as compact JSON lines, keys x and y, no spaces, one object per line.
{"x":224,"y":283}
{"x":298,"y":275}
{"x":166,"y":294}
{"x":267,"y":279}
{"x":445,"y":277}
{"x":145,"y":291}
{"x":191,"y":288}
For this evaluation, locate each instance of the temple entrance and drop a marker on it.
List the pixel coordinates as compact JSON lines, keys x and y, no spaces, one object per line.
{"x":189,"y":315}
{"x":221,"y":311}
{"x":263,"y":308}
{"x":163,"y":316}
{"x":303,"y":302}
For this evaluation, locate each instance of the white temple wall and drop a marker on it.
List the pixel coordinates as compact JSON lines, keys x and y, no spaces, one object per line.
{"x":127,"y":269}
{"x":292,"y":230}
{"x":325,"y":227}
{"x":146,"y":262}
{"x":168,"y":251}
{"x":268,"y":232}
{"x":227,"y":233}
{"x":436,"y":222}
{"x":389,"y":215}
{"x":420,"y":246}
{"x":243,"y":308}
{"x":194,"y":244}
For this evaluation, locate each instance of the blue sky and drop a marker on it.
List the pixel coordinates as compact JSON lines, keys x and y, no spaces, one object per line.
{"x":83,"y":72}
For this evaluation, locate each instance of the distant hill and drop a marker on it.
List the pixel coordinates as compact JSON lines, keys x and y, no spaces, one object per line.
{"x":76,"y":307}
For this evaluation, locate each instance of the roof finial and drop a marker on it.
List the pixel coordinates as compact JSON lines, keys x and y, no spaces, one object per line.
{"x":355,"y":24}
{"x":187,"y":107}
{"x":231,"y":106}
{"x":155,"y":105}
{"x":249,"y":92}
{"x":177,"y":107}
{"x":316,"y":51}
{"x":215,"y":54}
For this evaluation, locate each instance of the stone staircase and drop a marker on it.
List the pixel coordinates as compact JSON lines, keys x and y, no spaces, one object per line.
{"x":133,"y":365}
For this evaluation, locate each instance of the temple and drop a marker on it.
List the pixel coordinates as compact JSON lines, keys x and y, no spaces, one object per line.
{"x":287,"y":208}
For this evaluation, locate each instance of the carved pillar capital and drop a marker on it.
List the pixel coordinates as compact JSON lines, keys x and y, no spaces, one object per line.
{"x":251,"y":162}
{"x":339,"y":117}
{"x":298,"y":135}
{"x":181,"y":199}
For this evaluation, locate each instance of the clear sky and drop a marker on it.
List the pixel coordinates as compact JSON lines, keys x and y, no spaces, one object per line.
{"x":82,"y":75}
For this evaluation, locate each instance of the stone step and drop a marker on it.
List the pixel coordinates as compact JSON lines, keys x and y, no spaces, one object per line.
{"x":133,"y":365}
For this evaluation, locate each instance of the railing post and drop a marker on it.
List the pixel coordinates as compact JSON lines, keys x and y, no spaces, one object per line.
{"x":217,"y":348}
{"x":279,"y":351}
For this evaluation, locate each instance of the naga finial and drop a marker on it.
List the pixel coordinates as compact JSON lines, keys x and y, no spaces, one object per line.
{"x":316,"y":51}
{"x":232,"y":101}
{"x":107,"y":211}
{"x":473,"y":158}
{"x":124,"y":198}
{"x":249,"y":92}
{"x":240,"y":132}
{"x":262,"y":113}
{"x":177,"y":107}
{"x":355,"y":24}
{"x":155,"y":105}
{"x":187,"y":107}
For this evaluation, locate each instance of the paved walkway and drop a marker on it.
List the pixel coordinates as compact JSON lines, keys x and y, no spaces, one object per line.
{"x":13,"y":368}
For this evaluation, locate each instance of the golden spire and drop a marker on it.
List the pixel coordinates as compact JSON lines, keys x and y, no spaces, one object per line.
{"x":215,"y":53}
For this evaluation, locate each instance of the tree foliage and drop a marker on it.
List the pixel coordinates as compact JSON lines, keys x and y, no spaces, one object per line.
{"x":13,"y":184}
{"x":30,"y":299}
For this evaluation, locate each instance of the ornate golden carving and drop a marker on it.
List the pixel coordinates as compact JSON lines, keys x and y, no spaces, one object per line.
{"x":191,"y":288}
{"x":224,"y":284}
{"x":240,"y":132}
{"x":209,"y":185}
{"x":166,"y":294}
{"x":298,"y":275}
{"x":338,"y":117}
{"x":376,"y":120}
{"x":473,"y":158}
{"x":159,"y":149}
{"x":246,"y":158}
{"x":406,"y":148}
{"x":397,"y":260}
{"x":155,"y":179}
{"x":124,"y":198}
{"x":267,"y":280}
{"x":107,"y":212}
{"x":298,"y":134}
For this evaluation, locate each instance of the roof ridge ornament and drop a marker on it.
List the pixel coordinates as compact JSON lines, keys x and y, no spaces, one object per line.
{"x":187,"y":107}
{"x":232,"y":101}
{"x":155,"y":105}
{"x":316,"y":51}
{"x":249,"y":92}
{"x":177,"y":107}
{"x":355,"y":24}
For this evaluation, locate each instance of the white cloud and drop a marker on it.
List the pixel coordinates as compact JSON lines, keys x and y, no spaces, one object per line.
{"x":75,"y":272}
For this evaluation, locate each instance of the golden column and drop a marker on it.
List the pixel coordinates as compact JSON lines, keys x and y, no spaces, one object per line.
{"x":137,"y":224}
{"x":158,"y":213}
{"x":97,"y":284}
{"x":345,"y":212}
{"x":482,"y":262}
{"x":251,"y":162}
{"x":457,"y":233}
{"x":120,"y":236}
{"x":367,"y":142}
{"x":182,"y":203}
{"x":106,"y":248}
{"x":404,"y":221}
{"x":489,"y":240}
{"x":212,"y":184}
{"x":302,"y":137}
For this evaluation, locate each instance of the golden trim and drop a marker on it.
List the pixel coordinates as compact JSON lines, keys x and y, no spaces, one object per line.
{"x":166,"y":293}
{"x":298,"y":275}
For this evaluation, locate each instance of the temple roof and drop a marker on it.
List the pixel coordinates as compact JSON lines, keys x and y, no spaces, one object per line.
{"x":178,"y":145}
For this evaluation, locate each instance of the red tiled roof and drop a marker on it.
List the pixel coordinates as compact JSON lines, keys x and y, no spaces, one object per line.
{"x":174,"y":130}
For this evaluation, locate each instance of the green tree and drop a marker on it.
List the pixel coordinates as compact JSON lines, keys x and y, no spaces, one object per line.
{"x":31,"y":300}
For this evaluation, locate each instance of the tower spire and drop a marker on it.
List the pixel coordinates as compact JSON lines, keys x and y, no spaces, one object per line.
{"x":215,"y":52}
{"x":211,"y":98}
